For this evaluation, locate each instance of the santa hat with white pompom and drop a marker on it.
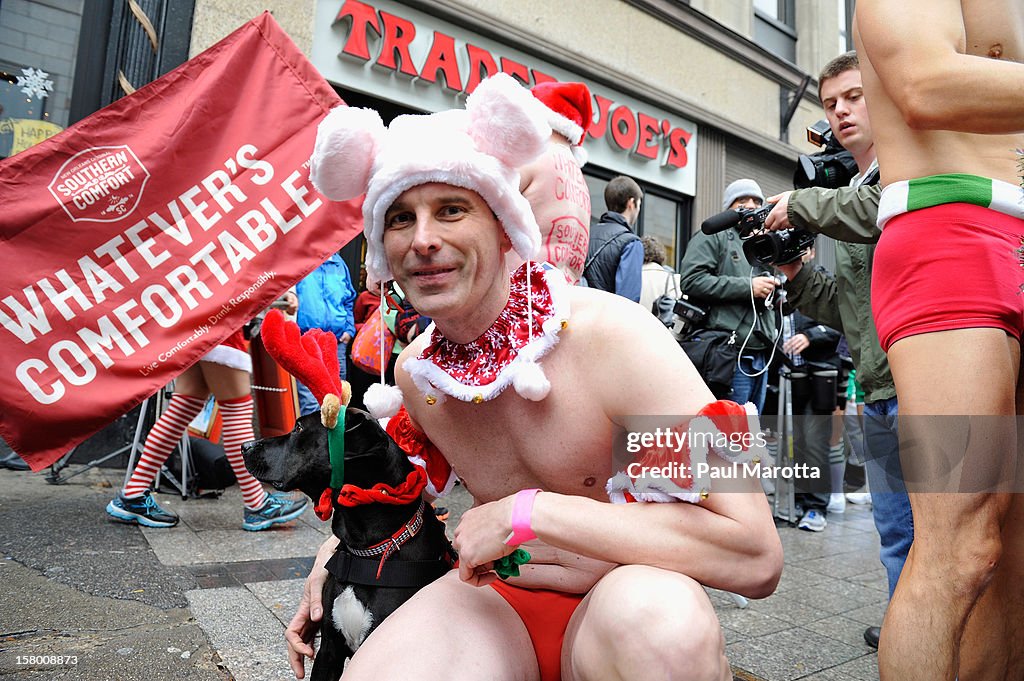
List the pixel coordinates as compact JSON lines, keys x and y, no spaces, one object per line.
{"x":478,"y":148}
{"x":570,"y":112}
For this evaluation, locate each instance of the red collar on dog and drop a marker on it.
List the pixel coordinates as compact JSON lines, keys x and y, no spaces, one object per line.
{"x":393,"y":543}
{"x":350,"y":495}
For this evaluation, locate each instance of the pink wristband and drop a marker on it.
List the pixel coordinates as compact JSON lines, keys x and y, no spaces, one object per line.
{"x":522,"y":509}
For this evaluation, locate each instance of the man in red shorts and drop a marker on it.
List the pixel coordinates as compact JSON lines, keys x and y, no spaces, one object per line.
{"x":612,"y":591}
{"x":944,"y":84}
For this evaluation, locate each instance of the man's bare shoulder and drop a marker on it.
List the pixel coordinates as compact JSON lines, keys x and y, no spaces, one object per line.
{"x":616,"y":331}
{"x":602,"y":312}
{"x":635,"y":360}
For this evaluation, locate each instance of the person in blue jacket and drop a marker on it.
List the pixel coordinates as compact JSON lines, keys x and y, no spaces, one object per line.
{"x":326,"y":298}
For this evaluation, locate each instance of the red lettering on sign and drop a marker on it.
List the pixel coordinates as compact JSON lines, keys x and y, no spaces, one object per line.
{"x":638,"y":133}
{"x":363,"y":17}
{"x":481,"y":65}
{"x":597,"y":128}
{"x":541,"y":77}
{"x":398,"y":35}
{"x":677,"y":141}
{"x":442,"y":58}
{"x":516,"y":70}
{"x":623,"y":127}
{"x":648,"y":146}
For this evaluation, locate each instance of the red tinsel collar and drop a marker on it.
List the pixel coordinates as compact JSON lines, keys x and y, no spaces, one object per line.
{"x":350,"y":495}
{"x":485,"y":365}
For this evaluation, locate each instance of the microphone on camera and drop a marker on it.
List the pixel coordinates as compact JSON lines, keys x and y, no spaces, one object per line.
{"x":721,"y":222}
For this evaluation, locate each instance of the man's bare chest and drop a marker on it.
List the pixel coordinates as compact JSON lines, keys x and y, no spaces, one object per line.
{"x":994,"y":29}
{"x":511,"y":443}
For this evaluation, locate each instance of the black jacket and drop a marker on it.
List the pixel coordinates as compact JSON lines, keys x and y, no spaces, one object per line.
{"x":607,"y":239}
{"x":824,"y":341}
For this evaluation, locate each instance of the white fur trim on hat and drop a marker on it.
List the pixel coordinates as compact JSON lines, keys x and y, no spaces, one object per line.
{"x":478,"y":148}
{"x":566,"y":128}
{"x":581,"y":156}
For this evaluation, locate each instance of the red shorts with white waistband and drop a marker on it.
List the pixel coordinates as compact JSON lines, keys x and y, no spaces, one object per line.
{"x":952,"y":266}
{"x":546,"y":616}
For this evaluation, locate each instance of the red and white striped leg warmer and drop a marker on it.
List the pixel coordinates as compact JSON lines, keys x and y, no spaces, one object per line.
{"x":237,"y":416}
{"x":166,"y":433}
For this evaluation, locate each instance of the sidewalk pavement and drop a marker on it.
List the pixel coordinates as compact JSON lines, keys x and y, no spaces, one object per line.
{"x":85,"y":597}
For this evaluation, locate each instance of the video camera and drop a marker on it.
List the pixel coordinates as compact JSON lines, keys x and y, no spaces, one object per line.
{"x":833,"y":167}
{"x":761,"y":247}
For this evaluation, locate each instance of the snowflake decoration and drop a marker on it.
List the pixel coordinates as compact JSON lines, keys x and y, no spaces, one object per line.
{"x":35,"y":83}
{"x":1020,"y":169}
{"x":1020,"y":166}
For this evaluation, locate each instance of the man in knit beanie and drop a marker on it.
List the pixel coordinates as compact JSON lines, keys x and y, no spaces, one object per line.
{"x":715,"y":273}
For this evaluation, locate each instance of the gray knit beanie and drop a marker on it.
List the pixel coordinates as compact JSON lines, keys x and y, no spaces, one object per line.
{"x":740,"y":189}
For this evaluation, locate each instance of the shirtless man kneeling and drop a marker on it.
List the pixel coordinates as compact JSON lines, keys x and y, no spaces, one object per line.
{"x":613,"y":591}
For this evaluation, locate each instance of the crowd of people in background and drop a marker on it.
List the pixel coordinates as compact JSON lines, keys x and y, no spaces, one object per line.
{"x":810,"y":343}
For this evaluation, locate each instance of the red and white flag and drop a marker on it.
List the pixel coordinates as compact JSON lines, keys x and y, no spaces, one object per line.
{"x":138,"y":239}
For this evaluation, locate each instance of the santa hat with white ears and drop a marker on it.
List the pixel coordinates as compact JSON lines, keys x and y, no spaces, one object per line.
{"x":570,"y":112}
{"x":476,"y":148}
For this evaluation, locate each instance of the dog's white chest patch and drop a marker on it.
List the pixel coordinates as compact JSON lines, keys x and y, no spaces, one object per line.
{"x":351,"y":618}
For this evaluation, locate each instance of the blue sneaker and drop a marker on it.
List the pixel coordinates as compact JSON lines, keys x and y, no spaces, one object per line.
{"x":275,"y":510}
{"x":813,"y":521}
{"x":142,"y":510}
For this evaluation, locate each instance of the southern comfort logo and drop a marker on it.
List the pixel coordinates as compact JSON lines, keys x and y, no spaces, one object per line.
{"x":100,"y":184}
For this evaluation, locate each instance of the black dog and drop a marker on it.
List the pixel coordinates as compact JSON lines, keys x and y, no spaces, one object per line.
{"x":361,"y":590}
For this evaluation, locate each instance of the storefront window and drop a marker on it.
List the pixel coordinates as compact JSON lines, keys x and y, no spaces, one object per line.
{"x":845,"y":22}
{"x":659,"y":221}
{"x":659,"y":215}
{"x":38,"y":50}
{"x":24,"y":119}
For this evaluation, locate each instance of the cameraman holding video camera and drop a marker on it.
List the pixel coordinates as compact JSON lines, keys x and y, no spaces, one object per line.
{"x":848,"y":214}
{"x":715,"y":272}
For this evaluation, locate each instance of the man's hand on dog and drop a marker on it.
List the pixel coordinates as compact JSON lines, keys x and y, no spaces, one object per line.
{"x":480,"y":540}
{"x":306,"y":622}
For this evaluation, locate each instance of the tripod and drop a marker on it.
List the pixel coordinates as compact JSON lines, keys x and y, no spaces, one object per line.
{"x":784,"y":501}
{"x":56,"y":476}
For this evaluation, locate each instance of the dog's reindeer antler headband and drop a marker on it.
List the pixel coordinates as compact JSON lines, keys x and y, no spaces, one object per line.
{"x":312,"y":358}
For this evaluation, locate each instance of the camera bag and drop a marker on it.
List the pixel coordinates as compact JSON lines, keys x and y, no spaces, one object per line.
{"x":714,"y":353}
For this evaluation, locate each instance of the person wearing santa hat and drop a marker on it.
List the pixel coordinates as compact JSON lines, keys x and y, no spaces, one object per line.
{"x":600,"y":585}
{"x":553,"y":183}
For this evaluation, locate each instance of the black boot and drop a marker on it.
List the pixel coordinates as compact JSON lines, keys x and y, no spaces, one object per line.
{"x":871,"y":636}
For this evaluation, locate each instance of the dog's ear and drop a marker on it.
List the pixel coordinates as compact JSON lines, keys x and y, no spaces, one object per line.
{"x":371,"y":456}
{"x":362,"y":432}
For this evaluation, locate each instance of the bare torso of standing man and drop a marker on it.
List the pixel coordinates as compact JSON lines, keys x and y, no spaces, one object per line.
{"x":992,"y":29}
